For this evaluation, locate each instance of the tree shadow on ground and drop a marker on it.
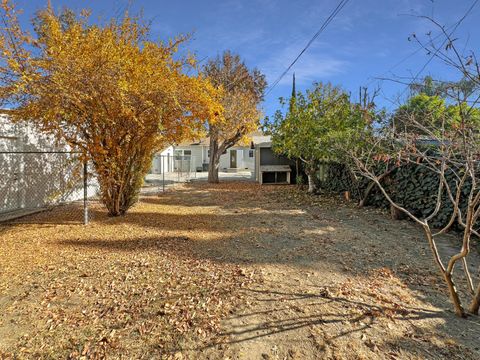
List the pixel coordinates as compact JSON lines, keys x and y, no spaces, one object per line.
{"x":145,"y":244}
{"x":250,"y":224}
{"x":64,"y":214}
{"x":325,"y":311}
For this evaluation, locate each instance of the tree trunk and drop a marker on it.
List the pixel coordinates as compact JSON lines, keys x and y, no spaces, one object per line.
{"x":214,"y":162}
{"x":457,"y":304}
{"x":118,"y":197}
{"x":475,"y":305}
{"x":369,"y":188}
{"x":312,"y":185}
{"x":213,"y":172}
{"x":447,"y":275}
{"x":120,"y":186}
{"x":297,"y":171}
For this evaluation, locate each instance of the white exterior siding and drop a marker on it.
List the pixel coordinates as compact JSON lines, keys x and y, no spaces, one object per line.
{"x":244,"y":162}
{"x":196,"y":153}
{"x":34,"y":180}
{"x":200,"y":155}
{"x":162,"y":161}
{"x":249,"y":162}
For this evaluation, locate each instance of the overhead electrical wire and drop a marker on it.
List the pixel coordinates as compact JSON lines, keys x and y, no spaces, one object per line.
{"x":329,"y":19}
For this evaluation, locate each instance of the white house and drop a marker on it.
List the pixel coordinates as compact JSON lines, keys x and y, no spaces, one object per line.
{"x":195,"y":156}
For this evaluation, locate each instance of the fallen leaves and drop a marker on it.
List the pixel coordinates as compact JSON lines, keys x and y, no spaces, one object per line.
{"x":157,"y":282}
{"x":110,"y":289}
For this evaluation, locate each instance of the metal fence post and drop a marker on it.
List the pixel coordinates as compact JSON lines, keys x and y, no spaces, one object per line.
{"x":85,"y":192}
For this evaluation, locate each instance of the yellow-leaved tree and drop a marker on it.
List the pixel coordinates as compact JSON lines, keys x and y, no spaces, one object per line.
{"x":105,"y":89}
{"x":241,"y":90}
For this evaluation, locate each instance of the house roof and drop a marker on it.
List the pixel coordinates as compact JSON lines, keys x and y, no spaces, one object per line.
{"x":256,"y":136}
{"x":203,"y":141}
{"x":260,"y":137}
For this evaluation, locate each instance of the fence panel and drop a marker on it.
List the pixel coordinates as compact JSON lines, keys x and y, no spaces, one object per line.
{"x":168,"y":171}
{"x":35,"y":181}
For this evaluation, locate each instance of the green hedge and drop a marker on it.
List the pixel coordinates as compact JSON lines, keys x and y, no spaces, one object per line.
{"x":411,"y":186}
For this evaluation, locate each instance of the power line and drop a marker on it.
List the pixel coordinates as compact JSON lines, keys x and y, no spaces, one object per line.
{"x":339,"y":7}
{"x":334,"y":13}
{"x":403,"y":60}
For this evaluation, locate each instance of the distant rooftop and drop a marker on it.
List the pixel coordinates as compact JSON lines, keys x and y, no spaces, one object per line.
{"x":256,"y":136}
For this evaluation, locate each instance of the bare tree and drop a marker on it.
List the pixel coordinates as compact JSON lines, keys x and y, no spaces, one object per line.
{"x":450,"y":149}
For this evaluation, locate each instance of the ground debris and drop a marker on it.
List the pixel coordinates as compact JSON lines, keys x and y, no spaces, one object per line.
{"x":227,"y":271}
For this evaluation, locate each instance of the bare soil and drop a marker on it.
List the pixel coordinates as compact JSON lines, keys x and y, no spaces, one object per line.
{"x":234,"y":270}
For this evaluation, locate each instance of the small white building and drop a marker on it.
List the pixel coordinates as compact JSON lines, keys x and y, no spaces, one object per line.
{"x":236,"y":158}
{"x":195,"y":156}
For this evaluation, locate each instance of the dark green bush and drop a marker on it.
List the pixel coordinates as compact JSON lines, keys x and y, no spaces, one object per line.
{"x":412,"y":186}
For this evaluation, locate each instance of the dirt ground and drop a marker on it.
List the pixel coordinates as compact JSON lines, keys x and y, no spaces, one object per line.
{"x":229,"y":271}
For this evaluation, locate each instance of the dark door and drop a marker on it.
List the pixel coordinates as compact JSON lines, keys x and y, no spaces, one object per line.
{"x":233,"y":159}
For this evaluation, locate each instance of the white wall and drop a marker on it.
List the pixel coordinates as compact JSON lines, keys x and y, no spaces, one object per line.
{"x":249,"y":162}
{"x":243,"y":160}
{"x":162,"y":161}
{"x":32,"y":180}
{"x":196,"y":155}
{"x":200,"y":156}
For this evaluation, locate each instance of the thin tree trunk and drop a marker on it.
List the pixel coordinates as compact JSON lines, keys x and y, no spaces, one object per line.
{"x":447,"y":275}
{"x":457,"y":304}
{"x":371,"y":186}
{"x":475,"y":304}
{"x":214,"y":162}
{"x":213,"y":172}
{"x":367,"y":192}
{"x":297,"y":171}
{"x":312,"y":185}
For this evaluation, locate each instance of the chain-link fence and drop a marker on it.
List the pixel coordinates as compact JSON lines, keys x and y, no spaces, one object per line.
{"x":33,"y":182}
{"x":170,"y":170}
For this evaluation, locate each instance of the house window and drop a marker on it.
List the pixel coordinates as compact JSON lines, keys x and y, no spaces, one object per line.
{"x":208,"y":153}
{"x":250,"y":153}
{"x":181,"y":152}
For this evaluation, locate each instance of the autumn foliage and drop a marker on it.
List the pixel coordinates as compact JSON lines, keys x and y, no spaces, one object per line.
{"x":105,"y":89}
{"x":240,"y":91}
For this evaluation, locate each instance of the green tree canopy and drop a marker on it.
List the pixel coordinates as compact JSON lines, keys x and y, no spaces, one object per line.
{"x":319,"y":119}
{"x":424,"y":114}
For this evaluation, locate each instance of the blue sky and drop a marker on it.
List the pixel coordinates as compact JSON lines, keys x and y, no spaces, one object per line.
{"x":364,"y":41}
